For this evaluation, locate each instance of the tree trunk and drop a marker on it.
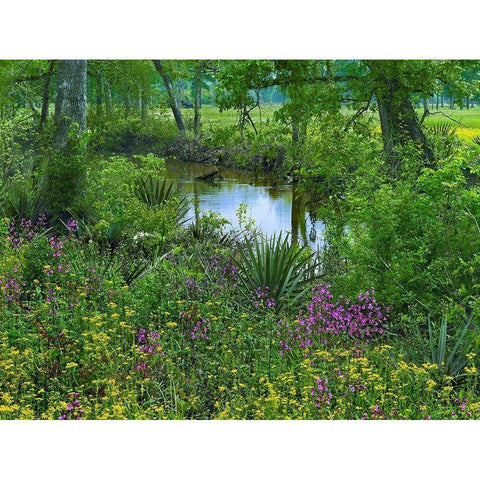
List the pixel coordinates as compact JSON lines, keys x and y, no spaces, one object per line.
{"x":65,"y":170}
{"x":71,"y":100}
{"x":426,"y":110}
{"x":198,"y":98}
{"x":143,"y":101}
{"x":171,"y":96}
{"x":136,"y":96}
{"x":108,"y":99}
{"x":46,"y":95}
{"x":99,"y":96}
{"x":399,"y":123}
{"x":127,"y":101}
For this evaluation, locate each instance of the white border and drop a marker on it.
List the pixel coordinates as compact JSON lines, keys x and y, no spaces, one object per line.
{"x":247,"y":29}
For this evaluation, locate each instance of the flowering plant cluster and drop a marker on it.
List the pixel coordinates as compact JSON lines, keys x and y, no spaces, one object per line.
{"x":362,"y":321}
{"x":150,"y":346}
{"x":11,"y":286}
{"x":24,"y":230}
{"x":321,"y":394}
{"x":225,"y":273}
{"x":200,"y":330}
{"x":74,"y":408}
{"x":262,"y":297}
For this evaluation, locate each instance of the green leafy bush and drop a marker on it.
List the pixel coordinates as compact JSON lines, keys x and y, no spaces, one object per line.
{"x":133,"y":136}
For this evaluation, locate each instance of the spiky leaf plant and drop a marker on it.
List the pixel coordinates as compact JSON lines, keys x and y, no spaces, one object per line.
{"x":448,"y":352}
{"x":283,"y":267}
{"x":156,"y":192}
{"x":19,"y":199}
{"x":443,"y":129}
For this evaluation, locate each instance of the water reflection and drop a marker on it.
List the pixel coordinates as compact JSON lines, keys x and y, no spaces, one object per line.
{"x":274,"y":207}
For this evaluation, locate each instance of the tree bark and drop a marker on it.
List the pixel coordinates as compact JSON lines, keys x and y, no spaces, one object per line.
{"x":198,"y":98}
{"x":426,"y":110}
{"x":71,"y":100}
{"x":46,"y":95}
{"x":143,"y":101}
{"x":399,"y":123}
{"x":108,"y":99}
{"x":171,"y":96}
{"x":127,"y":101}
{"x":65,"y":170}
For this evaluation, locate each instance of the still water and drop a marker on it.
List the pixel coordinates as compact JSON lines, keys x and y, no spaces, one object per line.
{"x":274,"y":206}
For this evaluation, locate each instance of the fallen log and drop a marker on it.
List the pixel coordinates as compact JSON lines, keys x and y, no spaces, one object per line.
{"x":207,"y":176}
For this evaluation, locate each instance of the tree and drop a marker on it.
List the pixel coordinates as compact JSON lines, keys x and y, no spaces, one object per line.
{"x":200,"y":67}
{"x":70,"y":101}
{"x":393,"y":82}
{"x":46,"y":94}
{"x":198,"y":98}
{"x":65,"y":169}
{"x":314,"y":87}
{"x":171,"y":95}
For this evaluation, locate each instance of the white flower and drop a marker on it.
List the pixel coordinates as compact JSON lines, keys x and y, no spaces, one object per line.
{"x":141,"y":235}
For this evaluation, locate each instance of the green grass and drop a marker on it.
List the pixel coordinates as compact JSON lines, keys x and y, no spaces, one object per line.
{"x":466,"y":121}
{"x":212,"y":116}
{"x":467,"y":118}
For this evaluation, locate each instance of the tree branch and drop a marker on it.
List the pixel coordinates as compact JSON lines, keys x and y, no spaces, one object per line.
{"x":359,"y":112}
{"x":323,"y":79}
{"x":445,"y":115}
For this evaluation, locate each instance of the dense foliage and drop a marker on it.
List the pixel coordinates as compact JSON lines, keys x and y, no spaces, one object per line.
{"x":113,"y":304}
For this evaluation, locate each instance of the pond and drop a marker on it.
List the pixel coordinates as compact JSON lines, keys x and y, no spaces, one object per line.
{"x":273,"y":204}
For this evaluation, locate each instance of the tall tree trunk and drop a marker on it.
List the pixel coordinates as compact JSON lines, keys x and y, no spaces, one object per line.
{"x":46,"y":94}
{"x":198,"y":98}
{"x":108,"y":99}
{"x":127,"y":101}
{"x":65,"y":170}
{"x":138,"y":102}
{"x":171,"y":96}
{"x":143,"y":100}
{"x":426,"y":110}
{"x":399,"y":123}
{"x":71,"y":100}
